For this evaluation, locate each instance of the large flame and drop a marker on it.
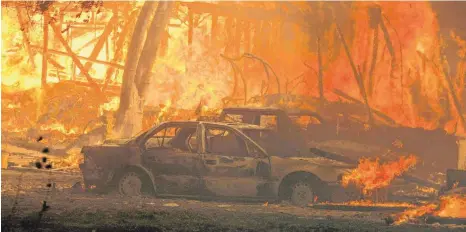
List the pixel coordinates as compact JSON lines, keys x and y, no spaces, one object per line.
{"x":371,"y":174}
{"x":186,"y":80}
{"x":407,"y":77}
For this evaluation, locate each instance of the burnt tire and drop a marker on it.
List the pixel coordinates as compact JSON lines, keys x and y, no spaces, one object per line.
{"x":302,"y":194}
{"x":130,"y":184}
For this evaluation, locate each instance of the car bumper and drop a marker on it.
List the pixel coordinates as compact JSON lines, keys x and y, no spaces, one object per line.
{"x":92,"y":178}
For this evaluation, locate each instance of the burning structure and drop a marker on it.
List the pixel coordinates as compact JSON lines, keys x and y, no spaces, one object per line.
{"x":378,"y":82}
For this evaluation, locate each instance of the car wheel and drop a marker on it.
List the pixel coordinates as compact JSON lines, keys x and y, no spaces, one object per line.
{"x":302,"y":194}
{"x":130,"y":184}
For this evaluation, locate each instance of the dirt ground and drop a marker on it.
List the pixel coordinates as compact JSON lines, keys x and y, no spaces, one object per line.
{"x":71,"y":211}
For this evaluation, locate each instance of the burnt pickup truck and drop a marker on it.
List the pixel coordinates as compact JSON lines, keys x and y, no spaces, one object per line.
{"x":209,"y":159}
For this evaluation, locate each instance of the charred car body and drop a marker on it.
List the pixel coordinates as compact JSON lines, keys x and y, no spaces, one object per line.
{"x":209,"y":159}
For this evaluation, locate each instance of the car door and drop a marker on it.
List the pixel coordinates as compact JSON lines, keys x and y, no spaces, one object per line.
{"x":234,"y":165}
{"x":171,"y":153}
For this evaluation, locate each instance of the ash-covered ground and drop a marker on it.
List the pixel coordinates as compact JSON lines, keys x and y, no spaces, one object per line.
{"x":78,"y":211}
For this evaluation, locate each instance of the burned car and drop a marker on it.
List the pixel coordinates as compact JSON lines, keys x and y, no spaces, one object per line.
{"x":208,"y":159}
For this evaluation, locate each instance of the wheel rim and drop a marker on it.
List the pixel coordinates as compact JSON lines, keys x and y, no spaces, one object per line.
{"x":302,"y":194}
{"x":130,"y":185}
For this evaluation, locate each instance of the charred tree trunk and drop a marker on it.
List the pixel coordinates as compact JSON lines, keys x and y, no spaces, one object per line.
{"x":149,"y":52}
{"x":128,"y":96}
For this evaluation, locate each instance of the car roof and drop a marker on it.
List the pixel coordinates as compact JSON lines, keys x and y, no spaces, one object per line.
{"x":252,"y":109}
{"x":236,"y":125}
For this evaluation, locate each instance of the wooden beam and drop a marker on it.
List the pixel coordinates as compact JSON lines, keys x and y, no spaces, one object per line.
{"x":115,"y":65}
{"x":26,"y":42}
{"x":190,"y":32}
{"x":86,"y":45}
{"x":44,"y":50}
{"x":54,"y":62}
{"x":107,"y":49}
{"x":101,"y":42}
{"x":75,"y":58}
{"x":87,"y":25}
{"x":93,"y":28}
{"x":245,"y":13}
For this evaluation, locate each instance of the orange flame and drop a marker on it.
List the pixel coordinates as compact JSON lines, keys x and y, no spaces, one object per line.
{"x":371,"y":175}
{"x":59,"y":127}
{"x":450,"y":206}
{"x":413,"y":213}
{"x":371,"y":203}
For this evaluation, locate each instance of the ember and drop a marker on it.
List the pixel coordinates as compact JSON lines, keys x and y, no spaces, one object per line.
{"x":371,"y":174}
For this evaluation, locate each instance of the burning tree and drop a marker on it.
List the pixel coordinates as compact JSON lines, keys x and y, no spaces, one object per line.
{"x":136,"y":78}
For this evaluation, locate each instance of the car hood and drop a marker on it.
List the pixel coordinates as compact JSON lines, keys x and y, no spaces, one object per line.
{"x":117,"y":141}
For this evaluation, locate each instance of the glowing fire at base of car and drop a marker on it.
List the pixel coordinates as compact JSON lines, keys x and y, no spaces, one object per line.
{"x":372,"y":204}
{"x":453,"y":206}
{"x":371,"y":174}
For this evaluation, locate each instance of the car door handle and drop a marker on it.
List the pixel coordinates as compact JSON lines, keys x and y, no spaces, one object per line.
{"x":211,"y":162}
